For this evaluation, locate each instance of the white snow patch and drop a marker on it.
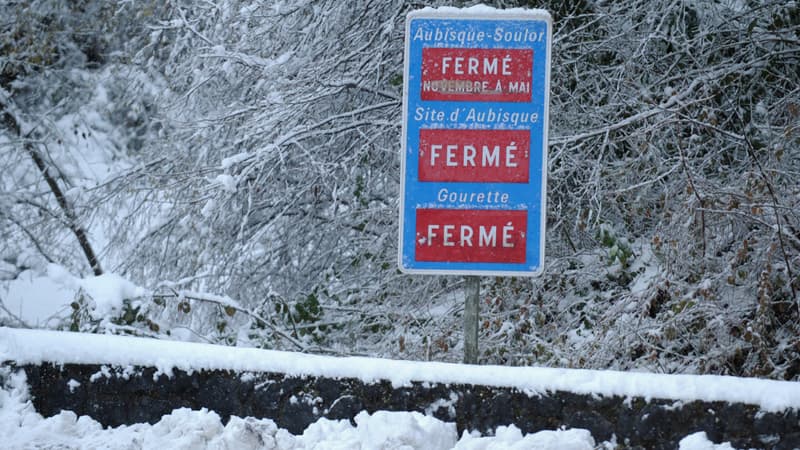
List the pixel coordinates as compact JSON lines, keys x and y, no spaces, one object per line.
{"x":699,"y":441}
{"x":235,"y":159}
{"x":448,"y":403}
{"x":72,"y":385}
{"x":511,"y":438}
{"x":645,"y":281}
{"x":386,"y":430}
{"x":226,"y":182}
{"x":208,"y":208}
{"x":61,"y":275}
{"x":108,"y":291}
{"x":36,"y":299}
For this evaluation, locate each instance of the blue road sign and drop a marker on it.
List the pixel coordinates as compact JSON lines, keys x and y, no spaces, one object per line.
{"x":474,"y":149}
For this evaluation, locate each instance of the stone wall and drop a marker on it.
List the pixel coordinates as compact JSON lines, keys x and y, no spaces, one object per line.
{"x":115,"y":396}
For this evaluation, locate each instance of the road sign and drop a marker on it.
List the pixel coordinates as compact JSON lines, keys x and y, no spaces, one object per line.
{"x":474,"y":161}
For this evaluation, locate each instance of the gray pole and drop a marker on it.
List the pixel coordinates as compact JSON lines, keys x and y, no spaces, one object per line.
{"x":472,"y":291}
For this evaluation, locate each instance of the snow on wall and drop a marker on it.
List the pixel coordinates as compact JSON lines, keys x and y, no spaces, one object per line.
{"x":37,"y":346}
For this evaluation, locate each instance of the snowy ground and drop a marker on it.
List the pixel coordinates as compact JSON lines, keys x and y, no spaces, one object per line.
{"x":22,"y":427}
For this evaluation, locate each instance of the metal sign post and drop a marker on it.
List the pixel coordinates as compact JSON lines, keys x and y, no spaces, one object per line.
{"x":472,"y":289}
{"x":475,"y":116}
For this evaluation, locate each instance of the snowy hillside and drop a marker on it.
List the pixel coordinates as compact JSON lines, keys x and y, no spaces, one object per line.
{"x":240,"y":163}
{"x":216,"y":185}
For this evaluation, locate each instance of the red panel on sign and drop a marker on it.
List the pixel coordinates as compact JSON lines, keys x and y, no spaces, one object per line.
{"x":471,"y":235}
{"x":478,"y":156}
{"x":476,"y":74}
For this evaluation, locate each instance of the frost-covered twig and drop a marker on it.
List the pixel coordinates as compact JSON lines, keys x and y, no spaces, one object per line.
{"x":10,"y":121}
{"x":21,"y":323}
{"x":227,"y":302}
{"x":775,"y":205}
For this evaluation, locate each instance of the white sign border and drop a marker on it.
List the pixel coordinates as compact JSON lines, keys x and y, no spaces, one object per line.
{"x":477,"y":13}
